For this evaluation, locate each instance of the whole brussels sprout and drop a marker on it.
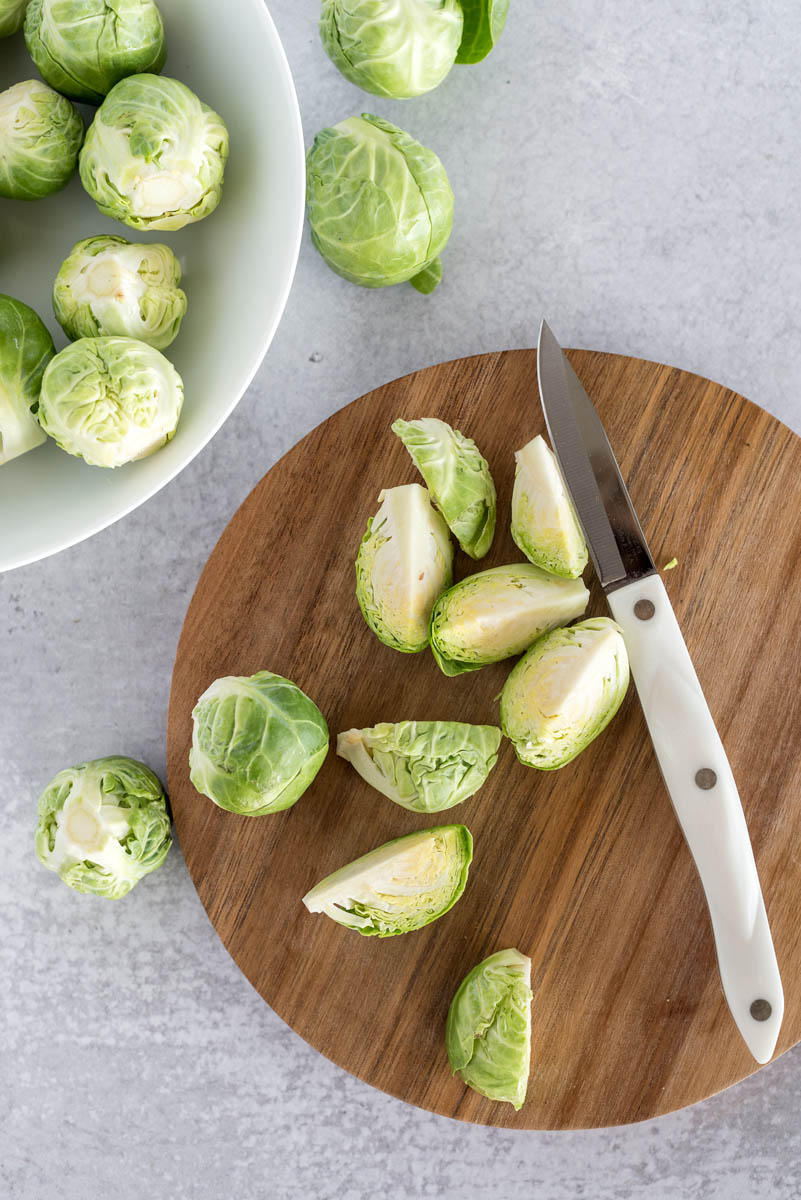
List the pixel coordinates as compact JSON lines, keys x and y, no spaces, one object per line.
{"x":405,"y":560}
{"x":394,"y":48}
{"x":380,"y":206}
{"x":83,"y":47}
{"x":110,"y":400}
{"x":488,"y":1031}
{"x":458,"y":478}
{"x":26,"y":348}
{"x":103,"y":825}
{"x":564,"y":692}
{"x":154,"y":156}
{"x":40,"y":136}
{"x":544,"y":521}
{"x":257,"y":743}
{"x":399,"y":887}
{"x":107,"y":286}
{"x":12,"y":14}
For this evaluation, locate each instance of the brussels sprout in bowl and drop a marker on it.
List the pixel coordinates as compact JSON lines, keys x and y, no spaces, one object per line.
{"x":40,"y":136}
{"x":26,"y":348}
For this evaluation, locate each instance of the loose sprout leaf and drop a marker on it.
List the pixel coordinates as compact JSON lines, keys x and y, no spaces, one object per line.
{"x":40,"y":136}
{"x":26,"y":348}
{"x":429,"y":278}
{"x":544,"y":521}
{"x":483,"y":25}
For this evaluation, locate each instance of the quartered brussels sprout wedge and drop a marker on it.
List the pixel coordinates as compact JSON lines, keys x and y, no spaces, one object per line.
{"x":544,"y":521}
{"x":564,"y":692}
{"x":103,"y":825}
{"x":26,"y":348}
{"x":498,"y":613}
{"x":40,"y":136}
{"x":404,"y":562}
{"x":458,"y":478}
{"x":488,"y":1031}
{"x":425,"y":766}
{"x":399,"y":887}
{"x":257,"y":743}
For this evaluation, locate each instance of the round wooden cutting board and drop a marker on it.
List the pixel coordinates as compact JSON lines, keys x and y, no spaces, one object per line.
{"x":584,"y":869}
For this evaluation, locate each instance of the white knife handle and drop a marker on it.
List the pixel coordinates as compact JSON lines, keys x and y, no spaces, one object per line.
{"x":702,"y":788}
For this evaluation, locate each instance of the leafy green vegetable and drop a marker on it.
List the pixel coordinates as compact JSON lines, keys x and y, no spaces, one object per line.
{"x":110,"y":400}
{"x":12,"y":14}
{"x":108,"y":286}
{"x":498,"y":613}
{"x":26,"y":348}
{"x":483,"y":25}
{"x":154,"y":155}
{"x":399,"y":887}
{"x":564,"y":692}
{"x":83,"y":47}
{"x":544,"y":521}
{"x":425,"y":766}
{"x":380,"y":206}
{"x":488,"y":1031}
{"x":40,"y":136}
{"x":103,"y":825}
{"x":257,"y":743}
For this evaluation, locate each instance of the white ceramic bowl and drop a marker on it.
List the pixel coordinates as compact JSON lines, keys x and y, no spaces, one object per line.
{"x":238,"y":267}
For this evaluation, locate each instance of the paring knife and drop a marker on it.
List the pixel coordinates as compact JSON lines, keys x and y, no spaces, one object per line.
{"x":688,"y":748}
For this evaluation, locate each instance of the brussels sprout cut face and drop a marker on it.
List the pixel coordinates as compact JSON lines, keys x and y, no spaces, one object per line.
{"x":544,"y":521}
{"x":40,"y":136}
{"x":458,"y":478}
{"x":425,"y":766}
{"x":26,"y":348}
{"x":399,"y":887}
{"x":257,"y":743}
{"x":498,"y":613}
{"x":380,"y":205}
{"x":154,"y":155}
{"x":488,"y":1032}
{"x":83,"y":47}
{"x":564,"y":692}
{"x":404,"y":562}
{"x":107,"y":286}
{"x":103,"y":825}
{"x":12,"y":14}
{"x":394,"y":48}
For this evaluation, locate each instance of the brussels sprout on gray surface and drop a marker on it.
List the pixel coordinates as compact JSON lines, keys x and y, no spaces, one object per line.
{"x":564,"y":692}
{"x":40,"y":136}
{"x":394,"y":48}
{"x":544,"y":521}
{"x":483,"y":25}
{"x":498,"y":613}
{"x":26,"y":348}
{"x":380,"y":206}
{"x":110,"y":400}
{"x":488,"y":1031}
{"x":425,"y":766}
{"x":154,"y":156}
{"x":83,"y":47}
{"x":12,"y":14}
{"x":458,"y":478}
{"x":257,"y":743}
{"x":107,"y":286}
{"x":399,"y":887}
{"x":103,"y":825}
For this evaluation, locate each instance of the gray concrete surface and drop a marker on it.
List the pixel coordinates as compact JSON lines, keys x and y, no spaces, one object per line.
{"x":631,"y":170}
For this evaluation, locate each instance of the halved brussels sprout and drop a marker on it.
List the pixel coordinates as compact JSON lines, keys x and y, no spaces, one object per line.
{"x":257,"y":743}
{"x":498,"y":613}
{"x":40,"y":136}
{"x":110,"y":400}
{"x":458,"y":478}
{"x":154,"y":155}
{"x":405,"y":560}
{"x":488,"y":1031}
{"x":83,"y":47}
{"x":380,"y":205}
{"x":103,"y":825}
{"x":26,"y":348}
{"x":12,"y":14}
{"x":564,"y":692}
{"x":544,"y":521}
{"x":399,"y":887}
{"x":107,"y":286}
{"x":394,"y":48}
{"x":483,"y":25}
{"x":425,"y":766}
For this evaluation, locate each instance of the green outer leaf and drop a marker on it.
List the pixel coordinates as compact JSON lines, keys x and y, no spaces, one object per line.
{"x":429,"y":278}
{"x":40,"y":136}
{"x":12,"y":15}
{"x":488,"y":1030}
{"x":26,"y":348}
{"x":425,"y":766}
{"x":483,"y":25}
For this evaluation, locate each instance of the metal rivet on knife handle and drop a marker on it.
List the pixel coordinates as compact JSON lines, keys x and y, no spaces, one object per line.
{"x":705,"y":778}
{"x":761,"y":1010}
{"x":644,"y":609}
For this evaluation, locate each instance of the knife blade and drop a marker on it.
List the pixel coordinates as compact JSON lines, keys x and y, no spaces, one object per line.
{"x":688,"y":748}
